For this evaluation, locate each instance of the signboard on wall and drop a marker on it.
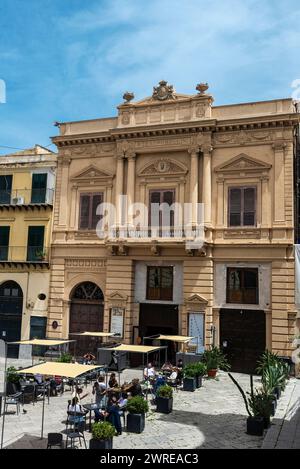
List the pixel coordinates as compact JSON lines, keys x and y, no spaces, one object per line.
{"x":117,"y":321}
{"x":196,"y":330}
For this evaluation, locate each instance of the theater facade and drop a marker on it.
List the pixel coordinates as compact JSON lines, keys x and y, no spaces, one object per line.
{"x":236,"y":288}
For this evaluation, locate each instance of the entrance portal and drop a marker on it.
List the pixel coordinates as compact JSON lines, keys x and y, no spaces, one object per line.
{"x":11,"y":305}
{"x":86,"y":314}
{"x":159,"y":319}
{"x":243,"y":338}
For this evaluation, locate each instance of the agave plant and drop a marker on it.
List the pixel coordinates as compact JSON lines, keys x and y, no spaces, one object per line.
{"x":274,"y":376}
{"x":259,"y":402}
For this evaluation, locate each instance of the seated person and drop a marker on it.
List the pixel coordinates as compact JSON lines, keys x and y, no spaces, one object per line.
{"x":160,"y":381}
{"x":135,"y":388}
{"x":149,"y":371}
{"x":180,"y":364}
{"x":113,"y":383}
{"x":77,"y":408}
{"x":167,"y":366}
{"x":174,"y":374}
{"x":89,"y":358}
{"x":38,"y":378}
{"x":114,"y":414}
{"x":122,"y":402}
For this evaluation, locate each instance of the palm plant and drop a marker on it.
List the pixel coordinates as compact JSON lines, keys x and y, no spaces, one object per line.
{"x":259,"y":402}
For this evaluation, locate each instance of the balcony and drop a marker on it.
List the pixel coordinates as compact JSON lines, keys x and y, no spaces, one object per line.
{"x":28,"y":198}
{"x":26,"y":255}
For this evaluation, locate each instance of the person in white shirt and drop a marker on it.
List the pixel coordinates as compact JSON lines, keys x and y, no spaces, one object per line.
{"x":149,"y":371}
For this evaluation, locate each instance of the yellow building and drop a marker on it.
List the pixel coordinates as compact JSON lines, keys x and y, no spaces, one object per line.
{"x":237,"y":290}
{"x":27,"y":181}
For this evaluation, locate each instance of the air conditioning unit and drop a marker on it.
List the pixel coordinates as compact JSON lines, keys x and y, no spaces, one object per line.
{"x":18,"y":200}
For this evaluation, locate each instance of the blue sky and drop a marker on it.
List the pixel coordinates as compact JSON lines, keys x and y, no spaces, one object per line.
{"x":68,"y":59}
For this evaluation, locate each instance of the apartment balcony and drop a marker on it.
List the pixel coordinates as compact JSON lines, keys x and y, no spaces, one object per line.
{"x":24,"y":255}
{"x":27,"y":199}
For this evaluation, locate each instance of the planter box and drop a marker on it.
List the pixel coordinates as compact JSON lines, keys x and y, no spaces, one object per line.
{"x":101,"y":444}
{"x":255,"y":426}
{"x":164,"y":405}
{"x":189,"y":384}
{"x":273,"y":407}
{"x":135,"y":423}
{"x":198,"y":381}
{"x":267,"y":422}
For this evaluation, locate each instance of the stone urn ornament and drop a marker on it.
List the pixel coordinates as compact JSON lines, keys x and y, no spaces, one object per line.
{"x":202,"y":87}
{"x":128,"y":96}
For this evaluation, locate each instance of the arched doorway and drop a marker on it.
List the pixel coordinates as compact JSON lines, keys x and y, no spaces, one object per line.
{"x":11,"y":306}
{"x":86,"y":314}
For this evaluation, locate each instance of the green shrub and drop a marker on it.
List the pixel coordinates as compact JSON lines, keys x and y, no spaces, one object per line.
{"x":137,"y":405}
{"x":12,"y":375}
{"x":215,"y":359}
{"x":189,"y":371}
{"x":165,"y":391}
{"x":65,"y":358}
{"x":103,"y":430}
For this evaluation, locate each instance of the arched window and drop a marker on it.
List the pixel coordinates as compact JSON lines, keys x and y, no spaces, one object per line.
{"x":87,"y":291}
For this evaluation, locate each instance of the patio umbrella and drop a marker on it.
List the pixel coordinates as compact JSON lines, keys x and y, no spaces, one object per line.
{"x":66,"y":370}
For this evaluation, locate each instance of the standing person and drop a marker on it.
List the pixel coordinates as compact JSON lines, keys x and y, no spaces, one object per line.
{"x":99,"y":389}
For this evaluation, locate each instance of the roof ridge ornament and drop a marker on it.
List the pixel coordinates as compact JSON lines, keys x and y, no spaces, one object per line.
{"x":163,"y":91}
{"x":202,"y":87}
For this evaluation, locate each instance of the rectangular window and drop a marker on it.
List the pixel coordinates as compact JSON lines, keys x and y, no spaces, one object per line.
{"x":39,"y":188}
{"x":35,"y":245}
{"x":242,"y":206}
{"x":160,"y":283}
{"x":164,"y":221}
{"x":242,"y":286}
{"x":5,"y":189}
{"x":88,"y":218}
{"x":4,"y":242}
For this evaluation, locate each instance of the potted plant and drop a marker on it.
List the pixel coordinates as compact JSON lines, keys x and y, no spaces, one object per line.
{"x":258,"y":407}
{"x":102,"y":435}
{"x":274,"y":373}
{"x":164,"y":400}
{"x":200,"y":370}
{"x":189,"y":378}
{"x":215,"y":359}
{"x":136,"y":407}
{"x":65,"y":358}
{"x":12,"y":380}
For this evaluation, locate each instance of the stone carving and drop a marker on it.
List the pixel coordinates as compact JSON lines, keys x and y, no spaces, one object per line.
{"x":201,"y":110}
{"x":85,"y":263}
{"x":91,"y":173}
{"x":164,"y":165}
{"x":163,"y":91}
{"x":125,"y":118}
{"x":243,"y":162}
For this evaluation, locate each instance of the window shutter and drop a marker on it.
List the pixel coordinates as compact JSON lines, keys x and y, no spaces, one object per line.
{"x":235,"y":207}
{"x":84,"y":211}
{"x":249,"y":206}
{"x":97,"y":199}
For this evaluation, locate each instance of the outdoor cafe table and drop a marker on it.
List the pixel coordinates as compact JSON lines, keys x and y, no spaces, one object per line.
{"x":90,"y":407}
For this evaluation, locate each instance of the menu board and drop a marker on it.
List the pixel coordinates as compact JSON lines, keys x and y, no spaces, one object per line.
{"x":117,"y":321}
{"x":196,"y":330}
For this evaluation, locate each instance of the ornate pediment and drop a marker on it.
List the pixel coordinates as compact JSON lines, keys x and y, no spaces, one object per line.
{"x":117,"y":299}
{"x":196,"y":300}
{"x":91,"y":173}
{"x":163,"y":166}
{"x":243,"y":163}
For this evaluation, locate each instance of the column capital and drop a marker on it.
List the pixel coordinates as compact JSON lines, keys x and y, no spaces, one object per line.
{"x":207,"y":149}
{"x":130,"y":155}
{"x":193,"y":150}
{"x":279,"y":146}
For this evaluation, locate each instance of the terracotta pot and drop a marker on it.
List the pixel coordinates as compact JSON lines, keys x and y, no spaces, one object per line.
{"x":212,"y":373}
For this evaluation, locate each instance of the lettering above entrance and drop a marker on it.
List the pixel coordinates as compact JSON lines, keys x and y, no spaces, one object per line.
{"x":196,"y":302}
{"x":242,"y":164}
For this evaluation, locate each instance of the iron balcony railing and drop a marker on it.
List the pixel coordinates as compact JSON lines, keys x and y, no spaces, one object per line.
{"x":24,"y":254}
{"x":26,"y":196}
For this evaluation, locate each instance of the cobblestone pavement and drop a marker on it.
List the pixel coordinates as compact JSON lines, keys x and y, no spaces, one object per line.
{"x":213,"y":416}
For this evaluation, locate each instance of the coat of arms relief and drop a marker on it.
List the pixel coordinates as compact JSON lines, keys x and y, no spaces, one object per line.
{"x":163,"y":91}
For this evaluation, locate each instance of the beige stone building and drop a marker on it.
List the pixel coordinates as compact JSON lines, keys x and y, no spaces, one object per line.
{"x":237,"y":290}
